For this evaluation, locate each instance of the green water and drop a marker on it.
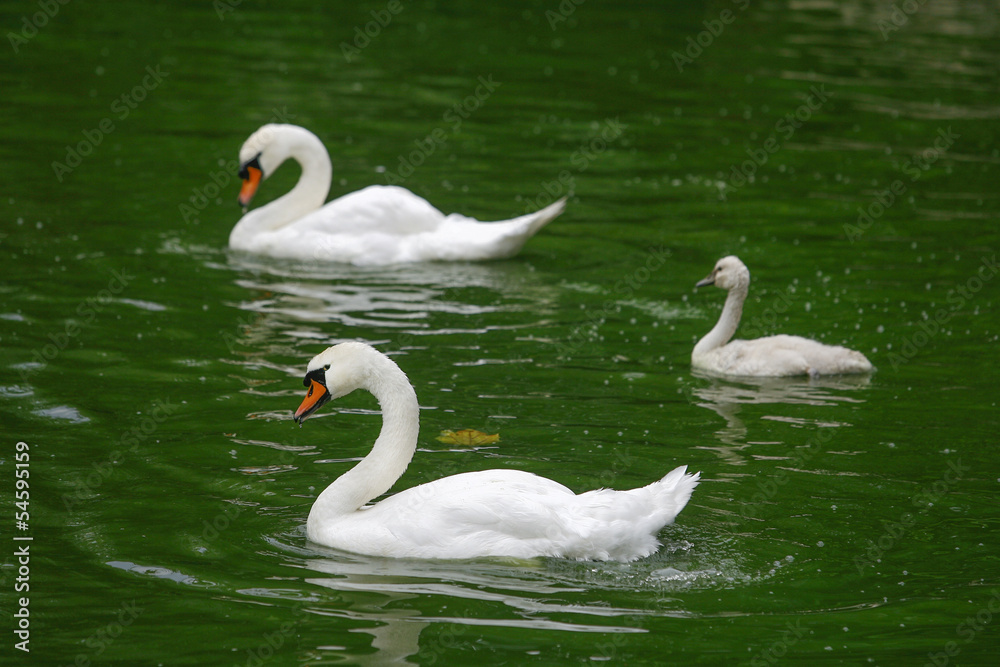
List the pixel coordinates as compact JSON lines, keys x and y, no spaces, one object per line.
{"x":152,"y":374}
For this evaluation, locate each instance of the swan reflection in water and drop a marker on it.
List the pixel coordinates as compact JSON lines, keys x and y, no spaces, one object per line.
{"x":292,"y":301}
{"x":508,"y":593}
{"x":727,"y":396}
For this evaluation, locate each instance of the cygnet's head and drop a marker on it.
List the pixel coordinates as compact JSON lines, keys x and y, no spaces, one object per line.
{"x":336,"y":372}
{"x":729,"y":272}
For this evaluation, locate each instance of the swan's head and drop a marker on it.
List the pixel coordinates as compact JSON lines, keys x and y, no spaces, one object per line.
{"x":336,"y":372}
{"x":729,"y":272}
{"x":264,"y":152}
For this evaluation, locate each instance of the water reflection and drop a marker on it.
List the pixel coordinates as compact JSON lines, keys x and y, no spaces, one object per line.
{"x":500,"y":276}
{"x":520,"y":587}
{"x":727,"y":396}
{"x":394,"y":600}
{"x":302,"y":300}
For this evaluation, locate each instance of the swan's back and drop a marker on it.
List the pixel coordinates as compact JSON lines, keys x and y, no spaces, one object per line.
{"x":782,"y":355}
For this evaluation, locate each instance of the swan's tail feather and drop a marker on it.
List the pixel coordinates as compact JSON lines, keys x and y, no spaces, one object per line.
{"x":530,"y":223}
{"x":673,"y":492}
{"x":622,"y":525}
{"x":500,"y":239}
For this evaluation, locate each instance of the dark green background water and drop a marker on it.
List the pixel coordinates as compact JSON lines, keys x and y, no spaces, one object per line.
{"x":153,"y":374}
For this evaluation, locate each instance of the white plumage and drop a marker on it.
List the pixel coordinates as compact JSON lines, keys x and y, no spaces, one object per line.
{"x":508,"y":513}
{"x":381,"y":224}
{"x":780,"y":355}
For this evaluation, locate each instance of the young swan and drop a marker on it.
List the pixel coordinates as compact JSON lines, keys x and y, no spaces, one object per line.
{"x":507,"y":513}
{"x":772,"y":356}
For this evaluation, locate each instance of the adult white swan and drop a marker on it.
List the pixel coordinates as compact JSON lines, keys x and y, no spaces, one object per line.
{"x":508,"y":513}
{"x":381,"y":224}
{"x":771,"y":356}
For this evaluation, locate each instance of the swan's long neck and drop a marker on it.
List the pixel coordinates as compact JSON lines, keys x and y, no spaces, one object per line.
{"x":308,"y":194}
{"x":728,"y":321}
{"x":390,"y":455}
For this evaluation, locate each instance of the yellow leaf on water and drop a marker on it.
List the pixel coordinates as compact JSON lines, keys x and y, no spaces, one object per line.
{"x":468,"y":437}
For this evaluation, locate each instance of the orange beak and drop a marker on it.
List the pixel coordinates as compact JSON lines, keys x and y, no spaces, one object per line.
{"x":315,"y":397}
{"x":250,"y":184}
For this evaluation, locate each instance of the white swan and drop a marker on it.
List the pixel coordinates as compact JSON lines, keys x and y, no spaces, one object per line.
{"x":381,"y":224}
{"x":508,"y":513}
{"x":771,"y":356}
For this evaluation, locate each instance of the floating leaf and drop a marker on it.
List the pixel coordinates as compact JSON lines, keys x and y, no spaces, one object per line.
{"x":468,"y":437}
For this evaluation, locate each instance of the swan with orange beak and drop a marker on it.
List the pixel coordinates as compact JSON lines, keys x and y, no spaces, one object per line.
{"x":379,"y":224}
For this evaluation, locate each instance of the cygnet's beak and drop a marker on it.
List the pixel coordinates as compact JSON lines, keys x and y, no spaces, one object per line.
{"x":706,"y":281}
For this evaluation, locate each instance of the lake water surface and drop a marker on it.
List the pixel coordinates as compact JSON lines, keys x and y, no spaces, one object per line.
{"x":846,"y":151}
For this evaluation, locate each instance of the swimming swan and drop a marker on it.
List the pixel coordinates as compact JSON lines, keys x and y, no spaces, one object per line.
{"x":381,"y":224}
{"x":508,"y":513}
{"x":772,"y":356}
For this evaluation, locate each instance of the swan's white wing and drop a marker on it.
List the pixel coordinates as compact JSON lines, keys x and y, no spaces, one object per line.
{"x":785,"y":355}
{"x":377,"y":209}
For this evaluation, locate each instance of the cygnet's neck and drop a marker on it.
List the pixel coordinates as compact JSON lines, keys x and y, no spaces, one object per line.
{"x":390,"y":455}
{"x":728,"y":321}
{"x":309,"y":192}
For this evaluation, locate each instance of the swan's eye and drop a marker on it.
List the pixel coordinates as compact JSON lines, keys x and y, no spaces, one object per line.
{"x":327,"y":367}
{"x":244,"y":172}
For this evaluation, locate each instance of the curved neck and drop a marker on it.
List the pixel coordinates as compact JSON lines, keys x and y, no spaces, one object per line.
{"x":308,"y":194}
{"x":392,"y":451}
{"x":728,"y":321}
